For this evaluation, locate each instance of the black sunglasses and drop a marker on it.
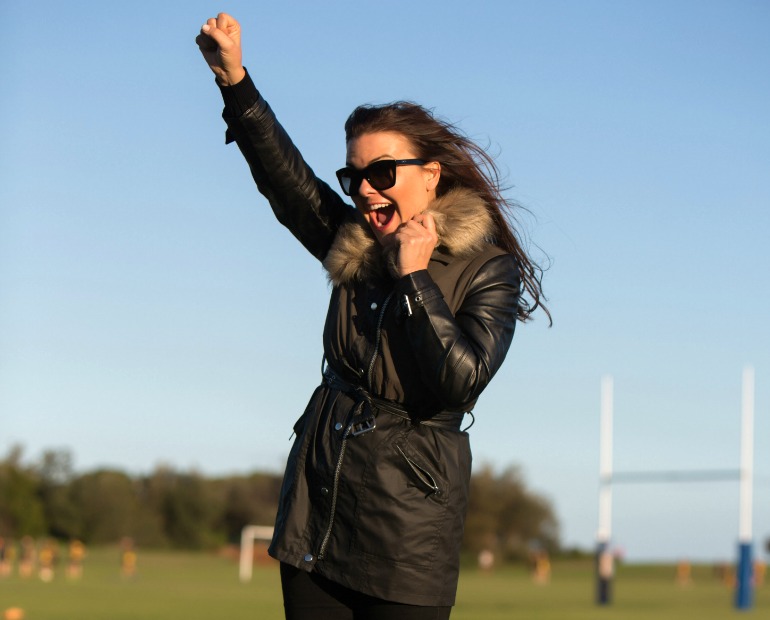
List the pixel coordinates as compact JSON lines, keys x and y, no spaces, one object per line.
{"x":380,"y":174}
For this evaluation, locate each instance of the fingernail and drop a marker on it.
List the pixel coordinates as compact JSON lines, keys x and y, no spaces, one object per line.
{"x":205,"y":27}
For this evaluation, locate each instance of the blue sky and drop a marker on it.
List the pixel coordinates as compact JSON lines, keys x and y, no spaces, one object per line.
{"x":152,"y":311}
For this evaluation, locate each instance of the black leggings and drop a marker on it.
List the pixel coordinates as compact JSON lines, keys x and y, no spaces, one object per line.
{"x":308,"y":596}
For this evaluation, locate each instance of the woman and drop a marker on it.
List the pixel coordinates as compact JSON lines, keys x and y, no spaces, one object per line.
{"x":427,"y":277}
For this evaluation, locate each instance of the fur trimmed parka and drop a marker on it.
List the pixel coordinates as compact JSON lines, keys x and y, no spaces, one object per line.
{"x":376,"y":485}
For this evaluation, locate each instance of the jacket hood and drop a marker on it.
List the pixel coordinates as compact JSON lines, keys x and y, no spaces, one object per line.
{"x":463,"y":225}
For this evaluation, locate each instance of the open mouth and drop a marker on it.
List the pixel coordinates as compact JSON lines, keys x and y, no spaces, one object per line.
{"x":381,"y":216}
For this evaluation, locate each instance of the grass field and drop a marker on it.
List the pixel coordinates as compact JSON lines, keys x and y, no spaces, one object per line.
{"x":174,"y":585}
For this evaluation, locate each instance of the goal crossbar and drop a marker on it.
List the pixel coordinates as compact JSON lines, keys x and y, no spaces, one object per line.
{"x":696,"y":475}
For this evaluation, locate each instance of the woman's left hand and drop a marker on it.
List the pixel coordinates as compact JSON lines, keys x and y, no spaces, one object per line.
{"x":415,"y":240}
{"x":220,"y":43}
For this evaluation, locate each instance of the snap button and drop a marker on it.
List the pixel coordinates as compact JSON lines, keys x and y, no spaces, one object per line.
{"x":338,"y":426}
{"x":308,"y":557}
{"x":324,"y":491}
{"x":374,"y":305}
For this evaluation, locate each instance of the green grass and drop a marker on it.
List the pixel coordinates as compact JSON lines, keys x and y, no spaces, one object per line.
{"x":639,"y":591}
{"x":197,"y":586}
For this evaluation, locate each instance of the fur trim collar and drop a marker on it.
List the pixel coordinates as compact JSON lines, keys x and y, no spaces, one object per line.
{"x":463,"y":224}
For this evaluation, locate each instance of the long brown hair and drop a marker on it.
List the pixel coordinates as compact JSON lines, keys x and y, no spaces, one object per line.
{"x":463,"y":164}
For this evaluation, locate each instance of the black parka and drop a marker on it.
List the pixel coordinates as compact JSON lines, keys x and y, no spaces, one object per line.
{"x":376,"y":485}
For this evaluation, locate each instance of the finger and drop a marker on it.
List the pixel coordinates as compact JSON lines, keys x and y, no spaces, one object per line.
{"x":204,"y":39}
{"x":429,"y":223}
{"x":410,"y":229}
{"x":421,"y":218}
{"x":417,"y":227}
{"x":224,"y":21}
{"x":404,"y":236}
{"x":228,"y":24}
{"x":412,"y":240}
{"x":220,"y":37}
{"x":205,"y":43}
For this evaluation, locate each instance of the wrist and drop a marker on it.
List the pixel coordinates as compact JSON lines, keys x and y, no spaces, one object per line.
{"x":415,"y":289}
{"x":405,"y":270}
{"x":240,"y":97}
{"x":232,"y":77}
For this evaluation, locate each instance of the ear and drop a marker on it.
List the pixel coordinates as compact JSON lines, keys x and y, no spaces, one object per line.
{"x":432,"y":171}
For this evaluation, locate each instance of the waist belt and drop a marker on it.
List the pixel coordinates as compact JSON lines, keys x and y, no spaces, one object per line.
{"x":449,"y":420}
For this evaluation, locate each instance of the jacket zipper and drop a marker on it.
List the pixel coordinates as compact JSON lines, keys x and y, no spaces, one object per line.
{"x":378,"y":337}
{"x":338,"y":468}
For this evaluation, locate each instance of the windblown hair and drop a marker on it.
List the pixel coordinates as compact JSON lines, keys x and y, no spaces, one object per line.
{"x":464,"y":164}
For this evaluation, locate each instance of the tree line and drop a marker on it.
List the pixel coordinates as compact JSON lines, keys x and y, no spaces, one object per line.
{"x":167,"y":508}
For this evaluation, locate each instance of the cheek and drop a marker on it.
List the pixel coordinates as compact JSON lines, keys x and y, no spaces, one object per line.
{"x":412,"y":205}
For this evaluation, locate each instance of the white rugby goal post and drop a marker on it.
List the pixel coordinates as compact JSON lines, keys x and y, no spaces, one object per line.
{"x":745,"y":476}
{"x":249,"y":534}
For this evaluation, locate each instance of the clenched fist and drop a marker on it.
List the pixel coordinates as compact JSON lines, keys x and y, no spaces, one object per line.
{"x":415,"y":240}
{"x":220,"y":44}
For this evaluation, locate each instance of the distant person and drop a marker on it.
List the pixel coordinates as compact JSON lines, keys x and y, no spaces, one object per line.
{"x":684,"y":573}
{"x":75,"y":555}
{"x":541,"y":567}
{"x":27,"y":556}
{"x":5,"y":562}
{"x":127,"y":557}
{"x":47,"y":558}
{"x":486,"y":560}
{"x":429,"y":279}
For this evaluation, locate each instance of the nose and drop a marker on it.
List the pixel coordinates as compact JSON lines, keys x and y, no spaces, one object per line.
{"x":364,"y":189}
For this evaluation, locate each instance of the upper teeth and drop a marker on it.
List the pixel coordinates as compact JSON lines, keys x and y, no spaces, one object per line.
{"x":379,"y":206}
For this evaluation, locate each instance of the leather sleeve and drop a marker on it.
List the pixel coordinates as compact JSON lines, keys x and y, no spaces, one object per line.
{"x":307,"y":206}
{"x":458,"y":355}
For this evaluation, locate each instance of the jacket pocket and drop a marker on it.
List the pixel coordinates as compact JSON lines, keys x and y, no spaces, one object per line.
{"x":401,"y":506}
{"x":422,"y":474}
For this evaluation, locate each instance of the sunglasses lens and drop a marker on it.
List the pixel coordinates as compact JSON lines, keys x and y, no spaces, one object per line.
{"x":349,"y":180}
{"x":381,"y":174}
{"x":346,"y":181}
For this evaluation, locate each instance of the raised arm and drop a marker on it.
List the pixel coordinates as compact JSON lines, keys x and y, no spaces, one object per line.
{"x":307,"y":206}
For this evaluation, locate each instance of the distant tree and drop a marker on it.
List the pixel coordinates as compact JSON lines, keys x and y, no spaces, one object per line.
{"x":56,"y":474}
{"x":246,"y":501}
{"x":183,"y":508}
{"x":238,"y":507}
{"x":150,"y":530}
{"x":56,"y":467}
{"x":187,"y":513}
{"x":507,"y":518}
{"x":108,"y":504}
{"x":152,"y":491}
{"x":187,"y":510}
{"x":21,"y":510}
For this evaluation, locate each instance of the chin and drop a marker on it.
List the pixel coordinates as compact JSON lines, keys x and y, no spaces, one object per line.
{"x":383,"y":238}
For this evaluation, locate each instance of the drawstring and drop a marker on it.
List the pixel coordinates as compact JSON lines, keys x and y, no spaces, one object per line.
{"x":473,"y":421}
